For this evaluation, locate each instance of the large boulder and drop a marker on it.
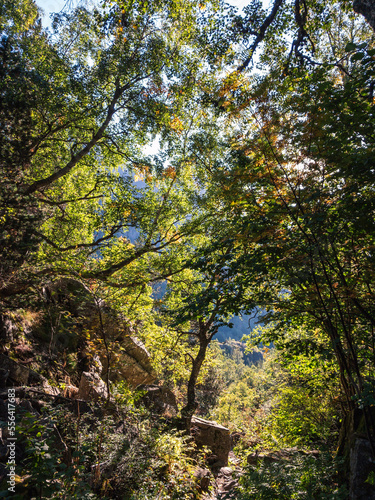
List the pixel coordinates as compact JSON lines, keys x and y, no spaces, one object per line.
{"x":128,"y":357}
{"x":92,"y":387}
{"x":159,"y":399}
{"x":36,"y":379}
{"x":133,"y":363}
{"x":72,"y":294}
{"x":214,"y":436}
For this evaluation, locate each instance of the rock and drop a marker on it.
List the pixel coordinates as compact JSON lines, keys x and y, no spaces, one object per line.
{"x":136,"y":349}
{"x":37,"y":379}
{"x":17,"y":373}
{"x":131,"y":362}
{"x":230,"y":485}
{"x":72,"y":294}
{"x":226,"y":471}
{"x":130,"y":370}
{"x":96,"y":365}
{"x":133,"y":365}
{"x":203,"y":478}
{"x":70,"y":391}
{"x":92,"y":387}
{"x":254,"y":458}
{"x":161,"y":400}
{"x":48,"y":389}
{"x":361,"y":465}
{"x":214,"y":436}
{"x":314,"y":453}
{"x":233,"y":459}
{"x":225,"y":486}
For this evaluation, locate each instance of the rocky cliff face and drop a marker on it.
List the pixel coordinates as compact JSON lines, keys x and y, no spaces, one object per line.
{"x":61,"y":333}
{"x":133,"y":363}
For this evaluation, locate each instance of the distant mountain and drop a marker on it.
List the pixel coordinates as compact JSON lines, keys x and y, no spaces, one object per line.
{"x":241,"y":326}
{"x":233,"y":348}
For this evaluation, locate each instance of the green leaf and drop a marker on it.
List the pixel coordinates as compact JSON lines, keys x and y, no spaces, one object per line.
{"x":350,"y":46}
{"x":358,"y":56}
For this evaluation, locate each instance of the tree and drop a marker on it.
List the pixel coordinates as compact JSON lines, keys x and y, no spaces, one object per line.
{"x":367,"y":9}
{"x":269,"y":174}
{"x":106,"y":84}
{"x":289,"y":27}
{"x":201,"y":299}
{"x":19,"y":32}
{"x":88,"y":101}
{"x":300,"y":175}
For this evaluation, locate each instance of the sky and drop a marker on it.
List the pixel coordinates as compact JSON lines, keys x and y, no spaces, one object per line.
{"x":49,"y":6}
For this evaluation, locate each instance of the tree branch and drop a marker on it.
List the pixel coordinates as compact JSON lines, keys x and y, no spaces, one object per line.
{"x":262,"y":33}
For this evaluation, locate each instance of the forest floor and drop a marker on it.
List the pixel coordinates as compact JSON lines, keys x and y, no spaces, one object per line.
{"x":226,"y":481}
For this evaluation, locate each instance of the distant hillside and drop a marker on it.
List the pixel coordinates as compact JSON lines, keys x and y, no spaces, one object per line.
{"x":236,"y":351}
{"x":241,"y":326}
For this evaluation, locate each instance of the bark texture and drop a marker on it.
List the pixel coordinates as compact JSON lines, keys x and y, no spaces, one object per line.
{"x":367,"y":9}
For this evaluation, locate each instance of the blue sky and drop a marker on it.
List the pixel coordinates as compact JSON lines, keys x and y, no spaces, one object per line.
{"x":49,"y":6}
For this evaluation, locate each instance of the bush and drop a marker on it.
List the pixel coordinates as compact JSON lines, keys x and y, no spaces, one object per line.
{"x":115,"y":453}
{"x":304,"y":478}
{"x":301,"y":418}
{"x":54,"y":466}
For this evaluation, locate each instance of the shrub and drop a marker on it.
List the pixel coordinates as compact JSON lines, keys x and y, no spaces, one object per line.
{"x":304,"y":478}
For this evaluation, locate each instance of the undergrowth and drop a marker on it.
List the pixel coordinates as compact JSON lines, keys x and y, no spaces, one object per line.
{"x":303,"y":478}
{"x":119,"y":453}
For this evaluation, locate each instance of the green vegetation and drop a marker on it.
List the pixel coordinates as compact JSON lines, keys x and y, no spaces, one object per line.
{"x":92,"y":455}
{"x":304,"y":478}
{"x":167,"y":166}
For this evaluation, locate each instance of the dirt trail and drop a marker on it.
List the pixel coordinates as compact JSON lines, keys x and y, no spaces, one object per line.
{"x":226,"y":481}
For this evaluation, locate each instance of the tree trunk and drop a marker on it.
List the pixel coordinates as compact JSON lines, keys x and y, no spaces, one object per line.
{"x":367,"y":9}
{"x":355,"y":449}
{"x":188,"y":411}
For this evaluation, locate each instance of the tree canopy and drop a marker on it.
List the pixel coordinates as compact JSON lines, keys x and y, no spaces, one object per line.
{"x":226,"y":156}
